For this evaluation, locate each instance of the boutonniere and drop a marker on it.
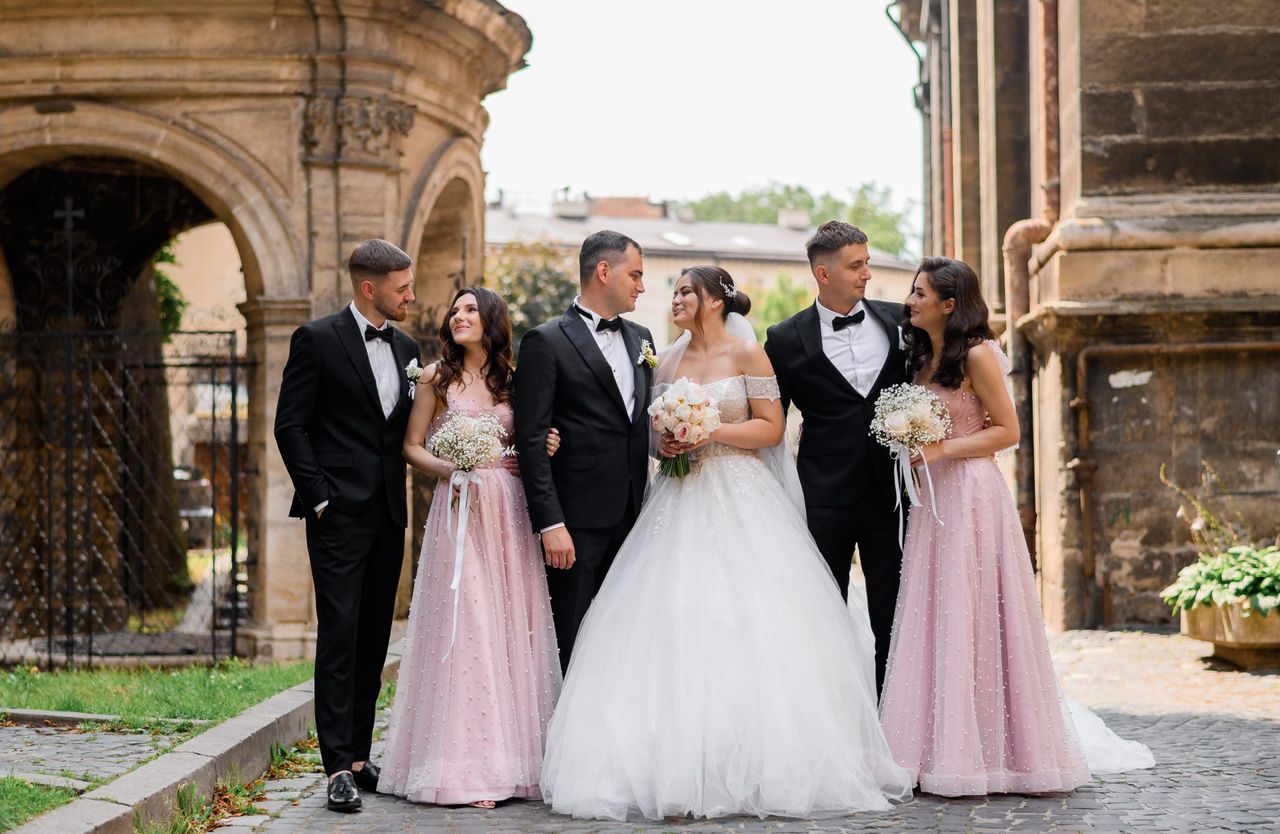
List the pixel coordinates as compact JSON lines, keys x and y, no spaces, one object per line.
{"x":647,"y":356}
{"x":412,"y":372}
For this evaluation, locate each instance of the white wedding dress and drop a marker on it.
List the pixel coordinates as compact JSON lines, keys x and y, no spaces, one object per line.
{"x":719,"y":671}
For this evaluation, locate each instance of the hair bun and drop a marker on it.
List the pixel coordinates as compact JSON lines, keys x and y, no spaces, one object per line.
{"x":740,"y":303}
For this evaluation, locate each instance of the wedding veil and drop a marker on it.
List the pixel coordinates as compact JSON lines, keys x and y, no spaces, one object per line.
{"x":777,"y":458}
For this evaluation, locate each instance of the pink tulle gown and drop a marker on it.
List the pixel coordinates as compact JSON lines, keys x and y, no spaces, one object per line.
{"x":970,"y":703}
{"x":470,"y":726}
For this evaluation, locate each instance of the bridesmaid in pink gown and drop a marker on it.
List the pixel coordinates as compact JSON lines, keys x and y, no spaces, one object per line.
{"x":470,"y":713}
{"x":971,"y":704}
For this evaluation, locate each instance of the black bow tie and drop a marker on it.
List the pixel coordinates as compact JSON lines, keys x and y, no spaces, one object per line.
{"x":614,"y":324}
{"x":371,"y":333}
{"x":841,"y":322}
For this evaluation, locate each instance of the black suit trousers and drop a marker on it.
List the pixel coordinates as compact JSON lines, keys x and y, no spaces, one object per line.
{"x":871,"y":526}
{"x":572,"y":590}
{"x":355,"y":565}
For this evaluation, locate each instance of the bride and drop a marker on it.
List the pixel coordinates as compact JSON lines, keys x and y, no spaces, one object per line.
{"x":719,"y":671}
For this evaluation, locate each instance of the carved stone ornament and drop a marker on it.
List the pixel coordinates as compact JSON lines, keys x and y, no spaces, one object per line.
{"x":370,"y":127}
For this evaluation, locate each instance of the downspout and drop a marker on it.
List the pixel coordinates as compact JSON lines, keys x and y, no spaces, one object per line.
{"x":948,"y":187}
{"x":1018,"y":240}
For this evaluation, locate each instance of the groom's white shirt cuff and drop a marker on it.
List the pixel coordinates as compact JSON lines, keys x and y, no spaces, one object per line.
{"x":321,"y":506}
{"x":544,"y":529}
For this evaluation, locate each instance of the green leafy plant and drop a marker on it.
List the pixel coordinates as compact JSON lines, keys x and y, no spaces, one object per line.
{"x":169,"y":296}
{"x":1230,"y":569}
{"x":1240,"y":574}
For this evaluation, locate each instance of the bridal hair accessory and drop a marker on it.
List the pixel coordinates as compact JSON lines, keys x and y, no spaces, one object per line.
{"x":729,"y":291}
{"x":909,"y":417}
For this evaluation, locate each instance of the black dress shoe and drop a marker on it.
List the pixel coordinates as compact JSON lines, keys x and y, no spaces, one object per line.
{"x":343,"y":795}
{"x":367,"y":777}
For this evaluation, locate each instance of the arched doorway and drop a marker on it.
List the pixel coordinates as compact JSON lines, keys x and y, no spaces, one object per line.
{"x":124,"y":431}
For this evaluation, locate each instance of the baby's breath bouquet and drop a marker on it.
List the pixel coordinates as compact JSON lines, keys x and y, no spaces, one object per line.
{"x":469,"y":440}
{"x":911,"y":416}
{"x":908,"y":418}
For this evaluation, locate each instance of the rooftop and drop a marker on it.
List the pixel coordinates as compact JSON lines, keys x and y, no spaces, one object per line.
{"x":663,"y":236}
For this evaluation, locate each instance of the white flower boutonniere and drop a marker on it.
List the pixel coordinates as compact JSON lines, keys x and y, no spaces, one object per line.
{"x":413,"y":372}
{"x":647,"y":356}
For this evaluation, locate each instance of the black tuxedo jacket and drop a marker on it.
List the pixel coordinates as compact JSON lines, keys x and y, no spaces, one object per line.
{"x":838,"y":459}
{"x":563,"y":380}
{"x":332,"y":435}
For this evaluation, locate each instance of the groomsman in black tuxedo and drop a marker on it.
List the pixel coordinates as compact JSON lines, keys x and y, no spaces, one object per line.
{"x":832,"y":360}
{"x":340,"y":421}
{"x":585,"y":374}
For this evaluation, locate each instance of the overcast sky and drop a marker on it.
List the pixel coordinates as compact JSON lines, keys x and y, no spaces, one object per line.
{"x":673,"y":100}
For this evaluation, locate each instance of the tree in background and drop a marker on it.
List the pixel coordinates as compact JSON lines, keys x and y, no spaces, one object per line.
{"x":783,"y":300}
{"x":869,"y":207}
{"x":538,"y":281}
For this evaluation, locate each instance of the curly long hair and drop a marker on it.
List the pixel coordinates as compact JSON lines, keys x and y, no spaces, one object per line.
{"x":966,"y":326}
{"x":495,"y":340}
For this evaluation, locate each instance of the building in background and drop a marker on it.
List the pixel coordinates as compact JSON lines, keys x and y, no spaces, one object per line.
{"x":1111,"y":169}
{"x":757,"y":255}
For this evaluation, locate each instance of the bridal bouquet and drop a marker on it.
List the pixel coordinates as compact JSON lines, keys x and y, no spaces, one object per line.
{"x":689,"y":415}
{"x":909,"y":417}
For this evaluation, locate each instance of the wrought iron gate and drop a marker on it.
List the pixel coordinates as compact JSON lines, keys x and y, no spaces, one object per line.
{"x":121,"y":505}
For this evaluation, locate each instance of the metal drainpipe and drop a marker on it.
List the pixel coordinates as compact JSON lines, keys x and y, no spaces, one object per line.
{"x":1085,"y":466}
{"x":1017,"y":253}
{"x":1018,"y":240}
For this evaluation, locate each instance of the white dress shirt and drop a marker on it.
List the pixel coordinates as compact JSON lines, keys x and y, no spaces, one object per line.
{"x":858,"y":351}
{"x":382,"y":359}
{"x":614,"y":348}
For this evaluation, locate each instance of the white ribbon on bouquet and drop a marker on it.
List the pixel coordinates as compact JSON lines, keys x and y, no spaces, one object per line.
{"x":904,"y":475}
{"x":461,"y":481}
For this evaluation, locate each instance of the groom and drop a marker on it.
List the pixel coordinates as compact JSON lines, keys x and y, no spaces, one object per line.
{"x":585,"y":374}
{"x":340,"y":425}
{"x":832,"y":361}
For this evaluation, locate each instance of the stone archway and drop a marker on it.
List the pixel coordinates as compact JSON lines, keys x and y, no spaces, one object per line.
{"x":97,"y":402}
{"x":303,"y":127}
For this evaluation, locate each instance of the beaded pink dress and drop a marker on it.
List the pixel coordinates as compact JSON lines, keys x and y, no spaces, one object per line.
{"x":468,"y":723}
{"x":971,"y":704}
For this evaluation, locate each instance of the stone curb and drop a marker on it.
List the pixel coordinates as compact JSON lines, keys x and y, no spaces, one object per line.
{"x":238,"y":747}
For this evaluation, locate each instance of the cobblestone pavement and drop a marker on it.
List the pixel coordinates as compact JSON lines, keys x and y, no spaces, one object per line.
{"x":88,"y":756}
{"x":1215,"y":734}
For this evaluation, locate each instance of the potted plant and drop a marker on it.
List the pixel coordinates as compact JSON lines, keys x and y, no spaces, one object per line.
{"x":1228,"y":595}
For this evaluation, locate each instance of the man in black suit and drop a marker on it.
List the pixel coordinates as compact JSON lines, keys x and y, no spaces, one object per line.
{"x":340,"y":421}
{"x":832,"y":360}
{"x":585,"y":374}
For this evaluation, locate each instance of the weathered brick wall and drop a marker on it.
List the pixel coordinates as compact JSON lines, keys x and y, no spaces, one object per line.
{"x":1179,"y":94}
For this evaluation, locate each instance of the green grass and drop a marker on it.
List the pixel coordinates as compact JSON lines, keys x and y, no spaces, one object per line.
{"x":198,"y":692}
{"x":20,"y":800}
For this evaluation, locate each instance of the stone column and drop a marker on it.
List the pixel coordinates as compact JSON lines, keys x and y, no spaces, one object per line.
{"x":965,"y":139}
{"x":281,"y":603}
{"x":1003,"y":125}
